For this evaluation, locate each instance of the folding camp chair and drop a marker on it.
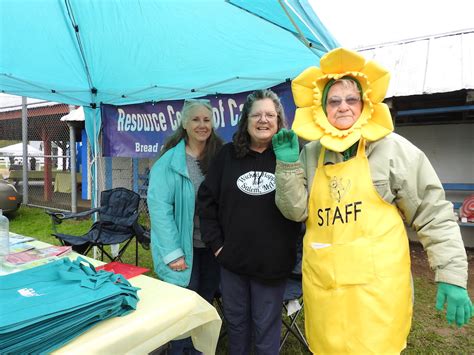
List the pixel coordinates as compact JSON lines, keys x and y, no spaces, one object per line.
{"x":294,"y":295}
{"x":117,"y":223}
{"x":217,"y":302}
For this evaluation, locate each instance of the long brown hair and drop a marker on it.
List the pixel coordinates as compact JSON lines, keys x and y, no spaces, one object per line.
{"x":213,"y":143}
{"x":241,"y":137}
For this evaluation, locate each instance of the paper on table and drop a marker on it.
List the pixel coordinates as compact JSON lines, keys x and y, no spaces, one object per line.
{"x":17,"y":238}
{"x":37,"y":254}
{"x":20,"y":247}
{"x":128,"y":271}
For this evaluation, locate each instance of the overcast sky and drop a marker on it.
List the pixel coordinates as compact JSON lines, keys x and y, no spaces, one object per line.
{"x":365,"y":22}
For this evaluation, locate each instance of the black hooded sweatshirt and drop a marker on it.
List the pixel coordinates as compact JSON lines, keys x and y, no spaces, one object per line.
{"x":236,"y":206}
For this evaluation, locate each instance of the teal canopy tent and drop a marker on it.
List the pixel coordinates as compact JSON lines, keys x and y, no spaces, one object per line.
{"x":87,"y":52}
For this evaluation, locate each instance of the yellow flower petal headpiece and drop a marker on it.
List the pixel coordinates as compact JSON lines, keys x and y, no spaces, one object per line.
{"x":311,"y":122}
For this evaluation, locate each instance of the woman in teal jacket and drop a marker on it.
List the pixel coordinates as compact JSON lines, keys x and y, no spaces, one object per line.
{"x":179,"y":255}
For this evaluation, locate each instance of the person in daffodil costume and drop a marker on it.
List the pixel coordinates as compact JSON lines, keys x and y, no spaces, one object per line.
{"x":356,"y":183}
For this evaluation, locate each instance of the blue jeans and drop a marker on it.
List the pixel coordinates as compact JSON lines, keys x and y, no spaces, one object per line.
{"x":252,"y":309}
{"x":205,"y":278}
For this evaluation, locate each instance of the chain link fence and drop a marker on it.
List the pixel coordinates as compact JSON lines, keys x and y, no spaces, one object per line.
{"x":49,"y":162}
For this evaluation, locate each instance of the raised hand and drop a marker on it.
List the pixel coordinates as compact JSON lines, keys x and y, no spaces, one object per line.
{"x":285,"y":146}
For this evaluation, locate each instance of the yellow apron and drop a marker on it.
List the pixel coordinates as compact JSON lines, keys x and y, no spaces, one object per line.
{"x":356,"y":264}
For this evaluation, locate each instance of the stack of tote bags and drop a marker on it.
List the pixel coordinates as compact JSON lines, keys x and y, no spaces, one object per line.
{"x":45,"y":307}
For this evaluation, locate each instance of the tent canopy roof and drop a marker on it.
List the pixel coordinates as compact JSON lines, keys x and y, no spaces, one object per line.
{"x":84,"y":52}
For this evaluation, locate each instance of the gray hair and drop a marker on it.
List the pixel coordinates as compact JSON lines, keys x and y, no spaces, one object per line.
{"x":189,"y":105}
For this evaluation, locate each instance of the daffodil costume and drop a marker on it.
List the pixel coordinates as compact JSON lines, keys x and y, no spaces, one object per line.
{"x":356,"y":267}
{"x":311,"y":122}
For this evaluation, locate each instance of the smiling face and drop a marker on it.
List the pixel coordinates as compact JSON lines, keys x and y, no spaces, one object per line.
{"x":262,"y":123}
{"x":343,"y":105}
{"x":199,"y":125}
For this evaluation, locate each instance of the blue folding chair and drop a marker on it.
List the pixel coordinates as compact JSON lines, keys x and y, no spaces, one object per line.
{"x":117,"y":223}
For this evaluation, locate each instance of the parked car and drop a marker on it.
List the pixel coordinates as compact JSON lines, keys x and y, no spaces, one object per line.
{"x":10,"y":198}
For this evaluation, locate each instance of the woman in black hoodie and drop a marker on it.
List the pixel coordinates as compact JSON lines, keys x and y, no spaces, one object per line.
{"x":254,"y":244}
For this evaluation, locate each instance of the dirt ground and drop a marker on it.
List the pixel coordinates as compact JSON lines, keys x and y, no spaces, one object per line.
{"x":420,"y":266}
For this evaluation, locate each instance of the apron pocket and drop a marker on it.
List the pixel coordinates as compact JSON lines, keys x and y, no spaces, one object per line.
{"x":340,"y":265}
{"x":354,"y":263}
{"x":318,"y":265}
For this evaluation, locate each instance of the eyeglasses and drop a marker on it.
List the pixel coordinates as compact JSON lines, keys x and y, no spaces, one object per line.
{"x":336,"y":101}
{"x":269,"y":116}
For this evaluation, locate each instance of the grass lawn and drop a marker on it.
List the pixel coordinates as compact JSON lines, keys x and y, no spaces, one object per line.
{"x":430,"y":334}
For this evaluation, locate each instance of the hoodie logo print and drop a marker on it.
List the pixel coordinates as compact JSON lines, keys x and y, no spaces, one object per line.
{"x":256,"y":183}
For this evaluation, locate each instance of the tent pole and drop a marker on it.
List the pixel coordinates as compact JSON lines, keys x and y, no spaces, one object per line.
{"x":301,"y":35}
{"x":72,"y":154}
{"x":95,"y":174}
{"x":96,"y":165}
{"x":24,"y":135}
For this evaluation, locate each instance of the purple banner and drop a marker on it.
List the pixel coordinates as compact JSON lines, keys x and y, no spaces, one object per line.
{"x":140,"y":130}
